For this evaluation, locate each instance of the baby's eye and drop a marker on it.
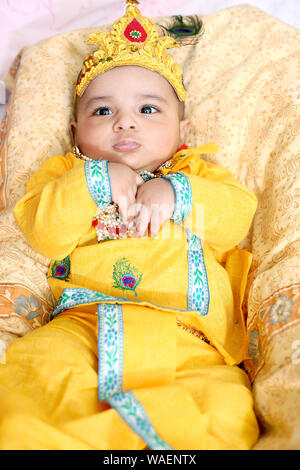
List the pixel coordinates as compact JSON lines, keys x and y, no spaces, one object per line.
{"x":147,"y":109}
{"x":103,"y":111}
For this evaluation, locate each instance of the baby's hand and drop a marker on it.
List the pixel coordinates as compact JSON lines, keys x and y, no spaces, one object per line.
{"x":155,"y":204}
{"x":124,"y":183}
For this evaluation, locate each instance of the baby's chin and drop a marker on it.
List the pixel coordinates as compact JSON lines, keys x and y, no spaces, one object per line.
{"x":133,"y":160}
{"x":135,"y":164}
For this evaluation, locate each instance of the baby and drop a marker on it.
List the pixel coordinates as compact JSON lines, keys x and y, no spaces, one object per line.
{"x":147,"y":333}
{"x":139,"y":126}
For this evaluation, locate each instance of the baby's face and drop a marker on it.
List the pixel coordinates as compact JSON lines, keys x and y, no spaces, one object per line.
{"x":129,"y":115}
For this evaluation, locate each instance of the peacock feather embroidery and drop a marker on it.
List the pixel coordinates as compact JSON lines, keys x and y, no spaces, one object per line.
{"x":126,"y":276}
{"x":61,"y":269}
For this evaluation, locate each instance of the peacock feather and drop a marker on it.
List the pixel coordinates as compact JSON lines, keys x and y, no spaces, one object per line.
{"x":185,"y":29}
{"x":126,"y":276}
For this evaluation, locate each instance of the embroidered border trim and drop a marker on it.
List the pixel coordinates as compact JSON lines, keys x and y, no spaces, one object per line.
{"x":134,"y":414}
{"x":74,"y":296}
{"x":183,"y":196}
{"x":198,"y":297}
{"x":98,"y":182}
{"x":110,"y":350}
{"x":198,"y":290}
{"x":197,"y":293}
{"x":110,"y":376}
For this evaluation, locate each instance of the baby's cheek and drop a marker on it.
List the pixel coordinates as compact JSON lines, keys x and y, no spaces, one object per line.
{"x":170,"y":143}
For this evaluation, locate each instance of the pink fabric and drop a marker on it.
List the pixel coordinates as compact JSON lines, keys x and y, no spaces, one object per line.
{"x":29,"y":21}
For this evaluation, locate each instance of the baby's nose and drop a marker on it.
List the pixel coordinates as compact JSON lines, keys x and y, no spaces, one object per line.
{"x":125,"y":122}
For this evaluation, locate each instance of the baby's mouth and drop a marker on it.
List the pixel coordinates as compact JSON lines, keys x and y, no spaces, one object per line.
{"x":126,"y":146}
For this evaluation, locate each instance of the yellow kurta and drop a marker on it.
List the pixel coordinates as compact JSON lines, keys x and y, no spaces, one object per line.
{"x":121,"y":300}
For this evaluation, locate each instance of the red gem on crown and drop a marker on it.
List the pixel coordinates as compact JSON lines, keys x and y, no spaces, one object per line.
{"x":135,"y":32}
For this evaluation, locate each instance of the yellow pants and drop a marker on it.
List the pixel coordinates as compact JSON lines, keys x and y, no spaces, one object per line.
{"x":191,"y":398}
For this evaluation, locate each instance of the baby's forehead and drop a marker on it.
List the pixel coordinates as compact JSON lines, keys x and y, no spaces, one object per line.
{"x":130,"y":82}
{"x":133,"y":80}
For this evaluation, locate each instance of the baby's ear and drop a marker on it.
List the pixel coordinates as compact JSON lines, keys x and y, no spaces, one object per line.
{"x":72,"y":130}
{"x":185,"y":126}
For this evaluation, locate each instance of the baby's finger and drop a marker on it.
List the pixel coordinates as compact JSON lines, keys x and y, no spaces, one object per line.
{"x":134,"y":209}
{"x":139,"y":180}
{"x":142,"y":221}
{"x":133,"y":212}
{"x":124,"y":204}
{"x":131,"y":195}
{"x":155,"y":222}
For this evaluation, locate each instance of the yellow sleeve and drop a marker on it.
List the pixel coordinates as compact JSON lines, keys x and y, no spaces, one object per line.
{"x":213,"y":205}
{"x":58,"y":206}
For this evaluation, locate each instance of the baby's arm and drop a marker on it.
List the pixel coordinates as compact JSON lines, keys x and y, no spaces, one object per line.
{"x":60,"y":201}
{"x":59,"y":204}
{"x":213,"y":205}
{"x":124,"y":184}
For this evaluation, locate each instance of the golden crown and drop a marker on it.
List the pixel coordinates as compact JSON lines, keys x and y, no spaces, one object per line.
{"x":133,"y":40}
